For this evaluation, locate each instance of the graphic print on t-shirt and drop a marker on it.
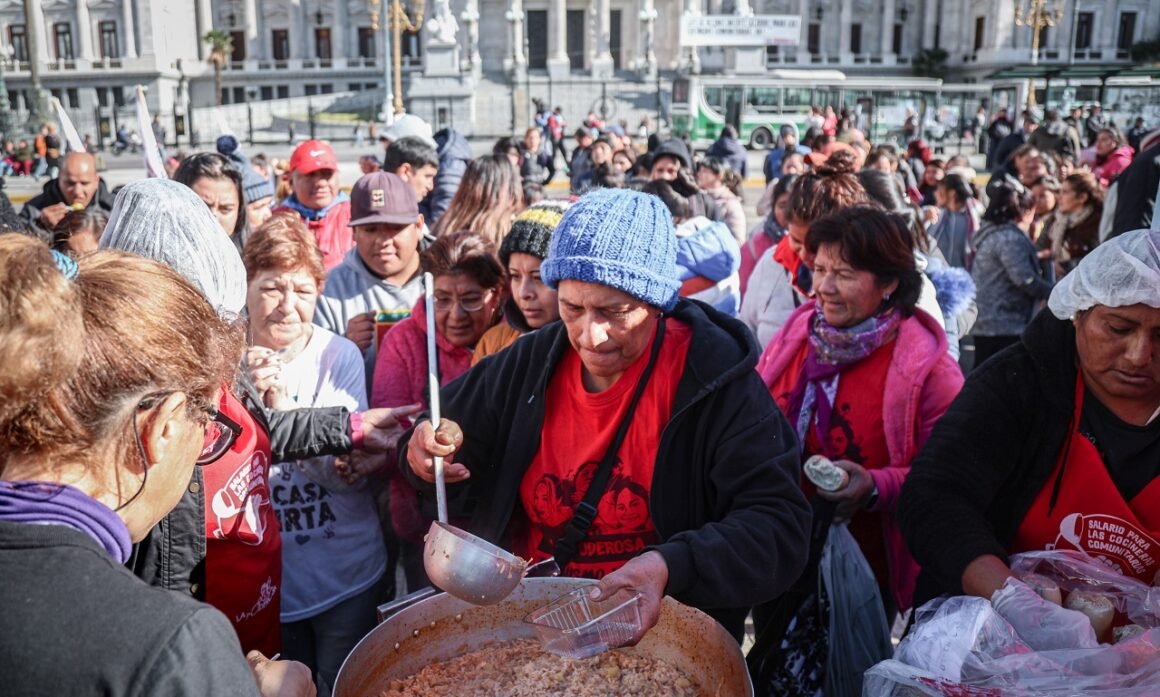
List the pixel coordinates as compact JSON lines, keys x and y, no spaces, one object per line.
{"x":577,"y":431}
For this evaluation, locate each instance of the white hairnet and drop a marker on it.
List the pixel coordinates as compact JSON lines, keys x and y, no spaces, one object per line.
{"x":166,"y":221}
{"x":1123,"y":271}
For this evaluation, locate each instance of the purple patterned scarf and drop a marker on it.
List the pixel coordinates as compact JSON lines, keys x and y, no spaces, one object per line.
{"x":832,"y":349}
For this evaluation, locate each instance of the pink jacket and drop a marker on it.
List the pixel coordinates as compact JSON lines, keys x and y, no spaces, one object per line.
{"x":1116,"y":161}
{"x":921,"y":383}
{"x":401,"y":366}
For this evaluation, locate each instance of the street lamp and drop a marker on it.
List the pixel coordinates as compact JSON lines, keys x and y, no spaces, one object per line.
{"x":1038,"y":14}
{"x":398,"y":21}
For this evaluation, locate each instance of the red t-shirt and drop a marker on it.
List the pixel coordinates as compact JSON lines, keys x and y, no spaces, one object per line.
{"x":856,"y":434}
{"x":578,"y":428}
{"x":243,"y":551}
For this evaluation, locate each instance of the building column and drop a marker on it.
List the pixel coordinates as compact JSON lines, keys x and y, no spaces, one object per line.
{"x":204,"y":24}
{"x":887,"y":37}
{"x":845,"y":19}
{"x":84,"y":31}
{"x":602,"y":64}
{"x":250,"y":23}
{"x":338,"y":31}
{"x":515,"y":61}
{"x":128,"y":30}
{"x":558,"y":63}
{"x":929,"y":20}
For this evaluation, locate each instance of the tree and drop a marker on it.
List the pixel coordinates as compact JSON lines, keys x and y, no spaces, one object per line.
{"x":930,"y":62}
{"x":221,"y":47}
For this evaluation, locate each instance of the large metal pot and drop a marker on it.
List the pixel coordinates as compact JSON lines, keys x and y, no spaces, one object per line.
{"x":443,"y":627}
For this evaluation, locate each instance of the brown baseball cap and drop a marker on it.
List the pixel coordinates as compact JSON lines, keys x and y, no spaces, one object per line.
{"x":382,"y":197}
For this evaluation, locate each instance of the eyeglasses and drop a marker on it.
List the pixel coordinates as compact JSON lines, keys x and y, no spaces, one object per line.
{"x":221,"y":432}
{"x":469,"y":304}
{"x":220,"y":435}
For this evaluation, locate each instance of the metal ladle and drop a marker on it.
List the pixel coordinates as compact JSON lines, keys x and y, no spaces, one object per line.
{"x":462,"y":564}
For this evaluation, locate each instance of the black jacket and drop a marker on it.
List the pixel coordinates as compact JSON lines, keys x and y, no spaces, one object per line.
{"x":51,"y":195}
{"x":1136,"y":193}
{"x":77,"y":623}
{"x":725,"y":498}
{"x":1006,"y":147}
{"x":172,"y":555}
{"x":733,"y":152}
{"x":989,"y":456}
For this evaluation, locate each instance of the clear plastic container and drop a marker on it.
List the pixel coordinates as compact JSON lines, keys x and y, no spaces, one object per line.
{"x":575,"y":626}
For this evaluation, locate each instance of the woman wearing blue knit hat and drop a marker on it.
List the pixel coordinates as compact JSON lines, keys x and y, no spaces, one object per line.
{"x":633,"y":440}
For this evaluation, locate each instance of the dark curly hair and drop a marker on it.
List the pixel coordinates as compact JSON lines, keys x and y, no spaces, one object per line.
{"x":870,"y":239}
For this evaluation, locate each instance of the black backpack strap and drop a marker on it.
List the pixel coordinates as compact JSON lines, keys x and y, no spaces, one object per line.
{"x":577,"y":529}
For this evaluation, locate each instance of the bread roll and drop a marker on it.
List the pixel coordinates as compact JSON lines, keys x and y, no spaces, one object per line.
{"x":1045,"y":587}
{"x":1097,"y":608}
{"x":1126,"y":632}
{"x":824,"y":474}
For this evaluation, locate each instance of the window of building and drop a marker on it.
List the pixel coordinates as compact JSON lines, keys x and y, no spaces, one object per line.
{"x":412,"y":47}
{"x":327,"y":88}
{"x":18,"y":41}
{"x":109,"y":45}
{"x":62,"y":33}
{"x":237,"y":46}
{"x":938,"y":36}
{"x":283,"y":91}
{"x":322,"y":43}
{"x":267,"y":93}
{"x":239,"y":95}
{"x":1127,"y":34}
{"x":311,"y":90}
{"x":73,"y":98}
{"x":1084,"y":22}
{"x":367,"y":42}
{"x":281,"y":44}
{"x":855,"y":38}
{"x":1044,"y":36}
{"x":896,"y":40}
{"x":814,"y":38}
{"x":980,"y":32}
{"x":225,"y":95}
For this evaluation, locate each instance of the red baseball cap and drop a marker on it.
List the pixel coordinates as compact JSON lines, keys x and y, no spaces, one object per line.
{"x":312,"y":156}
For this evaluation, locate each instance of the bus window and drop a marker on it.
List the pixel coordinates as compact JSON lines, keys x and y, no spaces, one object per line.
{"x":713,"y":99}
{"x":762,"y":100}
{"x":798,"y":99}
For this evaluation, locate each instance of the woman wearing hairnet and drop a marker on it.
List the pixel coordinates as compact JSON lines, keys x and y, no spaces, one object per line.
{"x":1053,"y":442}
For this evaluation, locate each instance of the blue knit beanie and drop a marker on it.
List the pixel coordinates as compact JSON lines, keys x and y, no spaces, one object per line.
{"x":618,"y":238}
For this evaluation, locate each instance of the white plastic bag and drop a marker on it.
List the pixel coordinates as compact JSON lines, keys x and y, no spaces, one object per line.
{"x":859,"y":634}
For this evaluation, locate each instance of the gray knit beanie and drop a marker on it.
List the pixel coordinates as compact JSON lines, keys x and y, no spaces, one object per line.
{"x":618,"y":238}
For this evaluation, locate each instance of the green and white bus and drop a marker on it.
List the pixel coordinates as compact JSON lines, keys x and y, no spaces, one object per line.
{"x":758,"y":106}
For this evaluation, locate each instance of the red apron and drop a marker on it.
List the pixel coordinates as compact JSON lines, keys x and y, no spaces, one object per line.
{"x":243,"y":554}
{"x":1090,"y":514}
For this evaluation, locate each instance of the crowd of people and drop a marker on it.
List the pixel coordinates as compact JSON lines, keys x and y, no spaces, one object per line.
{"x":632,"y":375}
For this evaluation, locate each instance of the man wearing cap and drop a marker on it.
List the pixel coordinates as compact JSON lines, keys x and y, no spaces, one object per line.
{"x":408,"y":126}
{"x":415,"y":161}
{"x":633,"y":440}
{"x":316,"y":195}
{"x":380,"y":275}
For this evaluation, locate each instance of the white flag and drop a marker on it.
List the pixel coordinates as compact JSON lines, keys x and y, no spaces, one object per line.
{"x":153,"y":164}
{"x":71,"y":137}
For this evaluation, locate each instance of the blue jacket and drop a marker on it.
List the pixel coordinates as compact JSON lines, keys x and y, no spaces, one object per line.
{"x":454,"y":156}
{"x":773,"y":160}
{"x":733,"y":152}
{"x":708,"y":249}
